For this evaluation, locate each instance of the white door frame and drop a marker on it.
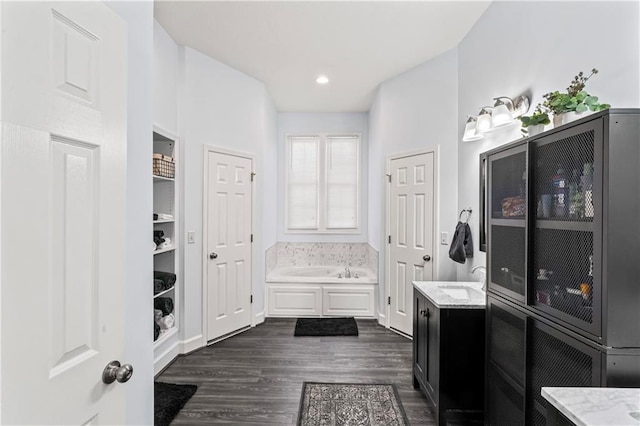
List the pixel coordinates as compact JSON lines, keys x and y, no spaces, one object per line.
{"x":436,"y":219}
{"x":206,"y":149}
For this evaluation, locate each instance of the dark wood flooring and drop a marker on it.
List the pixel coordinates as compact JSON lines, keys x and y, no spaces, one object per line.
{"x":256,"y":377}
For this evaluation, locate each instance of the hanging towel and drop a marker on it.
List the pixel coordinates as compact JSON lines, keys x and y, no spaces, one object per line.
{"x":462,"y":243}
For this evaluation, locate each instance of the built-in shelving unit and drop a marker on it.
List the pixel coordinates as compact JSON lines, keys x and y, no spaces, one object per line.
{"x":165,"y":259}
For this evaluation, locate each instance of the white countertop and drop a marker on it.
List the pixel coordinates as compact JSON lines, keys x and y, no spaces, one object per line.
{"x":453,"y":294}
{"x":596,"y":406}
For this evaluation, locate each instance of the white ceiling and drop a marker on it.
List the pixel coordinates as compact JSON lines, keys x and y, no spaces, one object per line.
{"x":288,"y":44}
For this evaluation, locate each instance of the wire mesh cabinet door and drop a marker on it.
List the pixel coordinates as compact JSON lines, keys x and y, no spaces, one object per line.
{"x":507,"y":214}
{"x":566,"y":236}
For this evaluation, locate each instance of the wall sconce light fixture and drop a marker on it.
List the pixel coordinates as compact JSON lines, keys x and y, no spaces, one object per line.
{"x":502,"y":114}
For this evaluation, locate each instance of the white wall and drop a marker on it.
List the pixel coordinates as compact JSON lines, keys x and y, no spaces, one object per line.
{"x":416,"y":110}
{"x":539,"y":47}
{"x":310,"y":123}
{"x":165,"y":80}
{"x":221,"y":107}
{"x":138,"y":301}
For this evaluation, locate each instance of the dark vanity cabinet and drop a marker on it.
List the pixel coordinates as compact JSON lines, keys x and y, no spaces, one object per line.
{"x":448,"y":353}
{"x":563,"y":275}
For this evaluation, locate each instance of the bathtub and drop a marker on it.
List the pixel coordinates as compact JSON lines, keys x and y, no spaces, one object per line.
{"x":319,"y":291}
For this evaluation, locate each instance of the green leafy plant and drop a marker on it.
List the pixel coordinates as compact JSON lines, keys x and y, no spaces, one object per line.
{"x":538,"y":117}
{"x":575,"y":99}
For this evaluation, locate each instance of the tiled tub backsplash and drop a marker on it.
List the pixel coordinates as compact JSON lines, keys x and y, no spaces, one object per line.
{"x":359,"y":255}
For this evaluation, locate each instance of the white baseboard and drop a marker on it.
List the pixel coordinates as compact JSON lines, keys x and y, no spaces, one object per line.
{"x":191,"y":344}
{"x":258,"y":318}
{"x":382,"y":320}
{"x":165,"y":358}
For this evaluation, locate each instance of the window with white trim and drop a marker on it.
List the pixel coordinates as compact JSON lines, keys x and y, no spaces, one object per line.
{"x":323,"y":184}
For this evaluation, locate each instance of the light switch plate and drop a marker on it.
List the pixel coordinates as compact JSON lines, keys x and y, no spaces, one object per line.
{"x":191,"y":237}
{"x":444,"y":238}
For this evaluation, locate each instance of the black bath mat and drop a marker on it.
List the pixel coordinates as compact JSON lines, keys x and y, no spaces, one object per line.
{"x":169,"y":400}
{"x":326,"y":327}
{"x":350,"y":404}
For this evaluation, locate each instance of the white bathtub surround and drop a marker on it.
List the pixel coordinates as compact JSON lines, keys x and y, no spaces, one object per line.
{"x":596,"y":406}
{"x":308,"y":279}
{"x":453,"y":294}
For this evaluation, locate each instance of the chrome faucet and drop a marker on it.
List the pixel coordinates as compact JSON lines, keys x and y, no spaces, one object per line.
{"x":347,"y":272}
{"x":484,"y":276}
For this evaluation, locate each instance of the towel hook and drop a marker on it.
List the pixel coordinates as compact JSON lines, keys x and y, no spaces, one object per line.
{"x":468,"y":211}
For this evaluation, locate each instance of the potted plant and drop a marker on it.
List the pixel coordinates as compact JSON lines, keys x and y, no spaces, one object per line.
{"x":534,"y":124}
{"x":566,"y":106}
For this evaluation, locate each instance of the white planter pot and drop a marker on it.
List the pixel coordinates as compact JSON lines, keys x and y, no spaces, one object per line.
{"x":568,"y":117}
{"x":535,"y":129}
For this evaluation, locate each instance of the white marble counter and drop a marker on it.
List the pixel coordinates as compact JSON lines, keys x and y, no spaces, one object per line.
{"x":453,"y":294}
{"x":596,"y":406}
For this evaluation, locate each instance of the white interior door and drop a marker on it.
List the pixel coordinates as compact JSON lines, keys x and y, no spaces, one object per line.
{"x":64,"y":88}
{"x":412,"y":220}
{"x":228,"y":243}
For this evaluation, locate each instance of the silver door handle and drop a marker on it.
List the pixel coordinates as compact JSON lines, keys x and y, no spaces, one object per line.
{"x":115,"y":372}
{"x":426,"y":258}
{"x":213,"y":255}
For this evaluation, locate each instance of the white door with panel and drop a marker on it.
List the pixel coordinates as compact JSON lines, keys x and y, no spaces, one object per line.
{"x":411,"y":211}
{"x":228,"y":242}
{"x":64,"y":92}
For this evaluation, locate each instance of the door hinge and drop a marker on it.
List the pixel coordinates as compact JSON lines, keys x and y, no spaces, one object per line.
{"x":389,"y":177}
{"x":251,"y":299}
{"x":389,"y":300}
{"x":252,"y":176}
{"x":251,"y":237}
{"x":389,"y":239}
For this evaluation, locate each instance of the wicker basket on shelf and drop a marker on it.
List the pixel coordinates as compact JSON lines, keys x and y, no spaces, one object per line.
{"x":164,"y":166}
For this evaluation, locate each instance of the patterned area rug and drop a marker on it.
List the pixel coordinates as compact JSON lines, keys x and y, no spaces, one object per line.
{"x":341,"y":404}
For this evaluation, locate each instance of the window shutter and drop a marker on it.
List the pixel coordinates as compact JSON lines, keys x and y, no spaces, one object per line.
{"x":342,"y":181}
{"x":302,"y":191}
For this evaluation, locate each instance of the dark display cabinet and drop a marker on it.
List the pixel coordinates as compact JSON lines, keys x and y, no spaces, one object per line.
{"x":563,"y":277}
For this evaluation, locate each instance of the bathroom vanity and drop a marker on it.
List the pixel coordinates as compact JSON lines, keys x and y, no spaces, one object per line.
{"x":448,"y":348}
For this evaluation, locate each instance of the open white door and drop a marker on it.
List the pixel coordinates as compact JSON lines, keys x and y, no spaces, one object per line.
{"x":64,"y":88}
{"x":411,"y":218}
{"x":228,"y":212}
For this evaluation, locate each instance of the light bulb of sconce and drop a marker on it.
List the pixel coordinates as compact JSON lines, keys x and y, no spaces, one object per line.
{"x":502,"y":112}
{"x":470,"y":133}
{"x":322,"y":79}
{"x":483,"y":122}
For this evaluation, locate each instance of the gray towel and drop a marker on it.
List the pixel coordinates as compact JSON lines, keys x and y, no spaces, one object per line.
{"x":461,"y":244}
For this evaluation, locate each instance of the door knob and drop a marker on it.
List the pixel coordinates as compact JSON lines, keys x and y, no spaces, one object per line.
{"x":426,"y":258}
{"x":213,"y":255}
{"x":115,"y":372}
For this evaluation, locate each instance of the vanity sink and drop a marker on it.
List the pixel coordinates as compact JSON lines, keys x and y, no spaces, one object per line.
{"x":453,"y":294}
{"x":461,"y":292}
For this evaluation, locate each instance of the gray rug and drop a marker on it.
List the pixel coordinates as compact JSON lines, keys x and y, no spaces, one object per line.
{"x":342,"y":404}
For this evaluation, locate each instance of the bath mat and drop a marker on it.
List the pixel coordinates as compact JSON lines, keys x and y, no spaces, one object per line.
{"x":350,"y":404}
{"x":169,"y":400}
{"x":326,"y":327}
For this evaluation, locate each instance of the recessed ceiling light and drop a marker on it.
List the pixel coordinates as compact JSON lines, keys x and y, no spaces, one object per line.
{"x":322,"y":79}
